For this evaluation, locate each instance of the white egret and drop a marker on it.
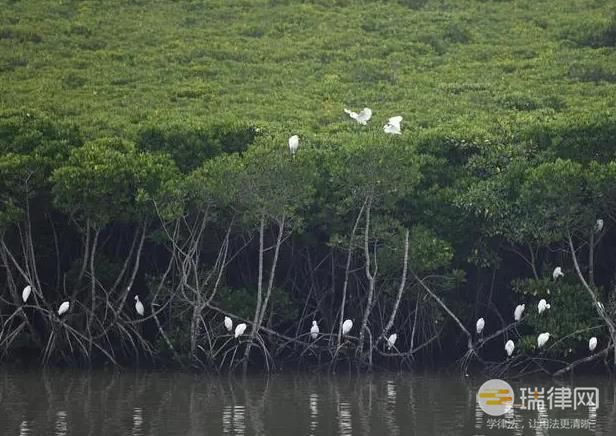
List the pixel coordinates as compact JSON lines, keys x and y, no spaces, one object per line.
{"x":393,"y":126}
{"x":314,"y":330}
{"x":480,"y":325}
{"x":599,"y":225}
{"x":228,"y":324}
{"x":293,"y":144}
{"x":63,"y":308}
{"x":542,"y":339}
{"x":391,"y":340}
{"x":592,"y":344}
{"x":25,"y":294}
{"x":519,"y":310}
{"x":509,"y":347}
{"x":558,"y":272}
{"x":139,"y":306}
{"x":600,"y":306}
{"x":362,"y":117}
{"x":347,"y":326}
{"x":240,"y":329}
{"x":542,"y":306}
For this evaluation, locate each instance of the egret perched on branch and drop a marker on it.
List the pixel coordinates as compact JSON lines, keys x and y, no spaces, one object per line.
{"x":139,"y":306}
{"x":592,"y":344}
{"x":519,"y":310}
{"x":509,"y":347}
{"x":63,"y":308}
{"x":542,"y":339}
{"x":25,"y":294}
{"x":391,"y":340}
{"x":600,"y":306}
{"x":558,"y":272}
{"x":240,"y":329}
{"x":347,"y":326}
{"x":228,"y":324}
{"x":542,"y":306}
{"x":362,"y":117}
{"x":599,"y":225}
{"x":480,"y":325}
{"x":393,"y":126}
{"x":314,"y":330}
{"x":293,"y":144}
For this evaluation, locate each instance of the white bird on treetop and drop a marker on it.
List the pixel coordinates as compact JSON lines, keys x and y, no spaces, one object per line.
{"x":139,"y":306}
{"x":542,"y":339}
{"x":228,"y":324}
{"x":542,"y":306}
{"x":347,"y":326}
{"x":480,"y":325}
{"x":592,"y":344}
{"x":240,"y":329}
{"x":314,"y":330}
{"x":558,"y":272}
{"x":25,"y":294}
{"x":362,"y":117}
{"x":393,"y":126}
{"x":599,"y":225}
{"x":293,"y":144}
{"x":519,"y":310}
{"x":391,"y":340}
{"x":509,"y":347}
{"x":63,"y":308}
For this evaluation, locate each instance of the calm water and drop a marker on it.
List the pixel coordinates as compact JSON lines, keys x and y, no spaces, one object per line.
{"x":168,"y":403}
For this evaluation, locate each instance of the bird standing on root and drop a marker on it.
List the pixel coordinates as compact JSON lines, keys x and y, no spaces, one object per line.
{"x":509,"y":347}
{"x":240,"y":329}
{"x":363,"y":117}
{"x":25,"y":294}
{"x":519,"y":310}
{"x":139,"y":306}
{"x":542,"y":339}
{"x":480,"y":325}
{"x":592,"y":344}
{"x":599,"y":225}
{"x":228,"y":323}
{"x":391,"y":340}
{"x":63,"y":308}
{"x":347,"y":326}
{"x":542,"y":306}
{"x":558,"y":272}
{"x":314,"y":330}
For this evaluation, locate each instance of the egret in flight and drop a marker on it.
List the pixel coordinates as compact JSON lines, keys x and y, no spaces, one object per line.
{"x":240,"y":329}
{"x":314,"y":330}
{"x":63,"y":308}
{"x":542,"y":339}
{"x":480,"y":325}
{"x":542,"y":306}
{"x":558,"y":272}
{"x":592,"y":344}
{"x":391,"y":340}
{"x":509,"y":347}
{"x":228,"y":324}
{"x":347,"y":326}
{"x":139,"y":306}
{"x":293,"y":144}
{"x":393,"y":126}
{"x":363,"y":117}
{"x":519,"y":310}
{"x":25,"y":294}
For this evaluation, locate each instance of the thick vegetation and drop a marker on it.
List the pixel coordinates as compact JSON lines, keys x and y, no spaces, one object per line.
{"x":143,"y":151}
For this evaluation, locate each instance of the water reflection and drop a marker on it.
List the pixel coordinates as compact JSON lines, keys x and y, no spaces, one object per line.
{"x":159,"y":403}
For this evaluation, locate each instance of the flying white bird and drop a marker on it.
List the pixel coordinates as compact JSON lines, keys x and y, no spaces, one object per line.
{"x":314,"y":330}
{"x":509,"y":347}
{"x":391,"y":340}
{"x":139,"y":306}
{"x":480,"y":325}
{"x":362,"y":117}
{"x":228,"y":323}
{"x":519,"y":310}
{"x":542,"y":339}
{"x":240,"y":329}
{"x":63,"y":308}
{"x":558,"y":272}
{"x":542,"y":306}
{"x":25,"y":294}
{"x":347,"y":326}
{"x":599,"y":225}
{"x":393,"y":126}
{"x":293,"y":144}
{"x":592,"y":344}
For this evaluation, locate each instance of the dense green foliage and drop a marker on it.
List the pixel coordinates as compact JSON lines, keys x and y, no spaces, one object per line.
{"x":143,"y":150}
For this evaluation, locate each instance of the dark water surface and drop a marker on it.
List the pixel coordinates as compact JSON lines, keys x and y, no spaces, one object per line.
{"x":176,"y":403}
